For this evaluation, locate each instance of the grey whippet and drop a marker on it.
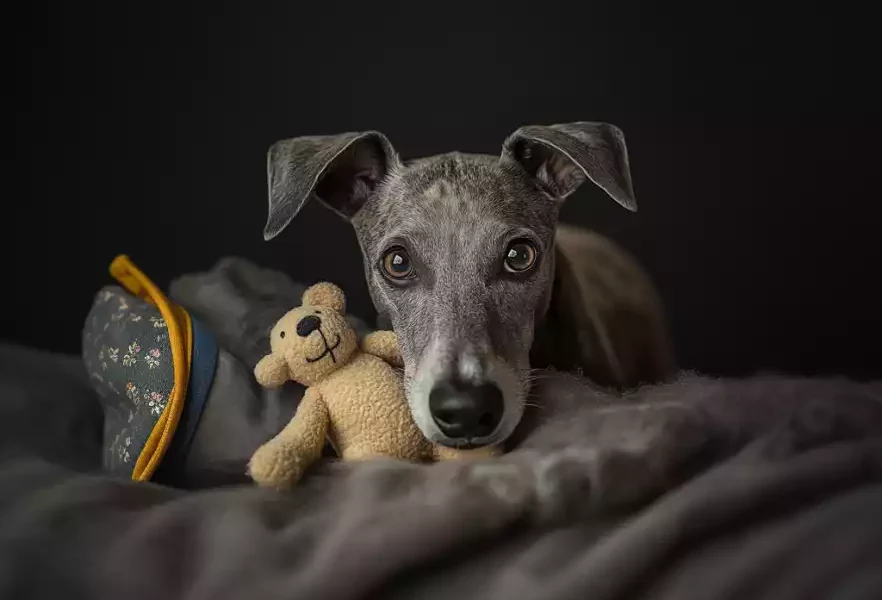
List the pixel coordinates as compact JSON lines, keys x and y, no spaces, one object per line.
{"x":464,"y":257}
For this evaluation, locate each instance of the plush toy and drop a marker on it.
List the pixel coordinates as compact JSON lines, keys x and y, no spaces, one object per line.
{"x":354,"y":396}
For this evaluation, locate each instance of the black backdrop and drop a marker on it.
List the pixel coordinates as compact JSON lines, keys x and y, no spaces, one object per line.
{"x":753,"y":135}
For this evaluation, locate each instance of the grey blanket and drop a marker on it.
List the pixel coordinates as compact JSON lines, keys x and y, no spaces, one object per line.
{"x":768,"y":487}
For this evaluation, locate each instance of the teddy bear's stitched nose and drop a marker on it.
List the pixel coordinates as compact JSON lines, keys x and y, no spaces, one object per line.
{"x":307,"y":325}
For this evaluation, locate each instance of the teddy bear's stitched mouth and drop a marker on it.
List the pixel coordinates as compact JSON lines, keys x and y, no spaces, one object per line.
{"x":328,"y":349}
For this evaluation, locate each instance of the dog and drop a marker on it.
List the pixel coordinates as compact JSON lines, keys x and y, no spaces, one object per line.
{"x":464,"y":257}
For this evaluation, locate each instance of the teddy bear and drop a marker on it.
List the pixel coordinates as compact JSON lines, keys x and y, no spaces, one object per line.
{"x":354,"y":394}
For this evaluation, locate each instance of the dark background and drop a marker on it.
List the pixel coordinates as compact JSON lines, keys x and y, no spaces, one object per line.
{"x":753,"y":134}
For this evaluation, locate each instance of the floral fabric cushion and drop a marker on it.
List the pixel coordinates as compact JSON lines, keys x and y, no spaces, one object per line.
{"x":127,"y":353}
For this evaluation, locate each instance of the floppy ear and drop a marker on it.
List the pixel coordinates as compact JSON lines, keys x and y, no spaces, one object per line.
{"x":341,"y":170}
{"x":560,"y":157}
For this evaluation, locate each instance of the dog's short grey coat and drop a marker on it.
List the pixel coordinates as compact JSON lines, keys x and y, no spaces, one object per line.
{"x":455,"y":214}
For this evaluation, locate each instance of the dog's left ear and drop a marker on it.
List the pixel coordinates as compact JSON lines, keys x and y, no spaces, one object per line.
{"x":340,"y":170}
{"x":560,"y":157}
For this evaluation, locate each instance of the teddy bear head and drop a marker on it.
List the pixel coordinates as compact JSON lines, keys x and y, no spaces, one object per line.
{"x":315,"y":339}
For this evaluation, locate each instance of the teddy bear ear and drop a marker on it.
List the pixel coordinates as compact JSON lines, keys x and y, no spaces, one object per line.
{"x":327,"y":295}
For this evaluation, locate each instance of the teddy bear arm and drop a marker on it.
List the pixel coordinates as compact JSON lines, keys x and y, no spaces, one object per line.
{"x":280,"y":462}
{"x":310,"y":424}
{"x":384,"y":345}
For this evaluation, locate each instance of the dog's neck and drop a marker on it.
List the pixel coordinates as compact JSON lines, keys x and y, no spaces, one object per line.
{"x":565,"y":339}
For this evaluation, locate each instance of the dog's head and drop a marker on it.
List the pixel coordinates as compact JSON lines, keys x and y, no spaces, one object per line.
{"x":458,"y":253}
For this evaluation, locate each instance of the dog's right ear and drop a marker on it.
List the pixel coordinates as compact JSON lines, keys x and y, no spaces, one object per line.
{"x":340,"y":170}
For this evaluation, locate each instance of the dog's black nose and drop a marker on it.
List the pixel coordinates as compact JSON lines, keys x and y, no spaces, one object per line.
{"x":467,"y":411}
{"x":307,"y":325}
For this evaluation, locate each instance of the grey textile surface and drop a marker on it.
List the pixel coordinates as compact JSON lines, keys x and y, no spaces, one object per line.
{"x":762,"y":488}
{"x":767,"y":487}
{"x":240,"y":302}
{"x":48,"y":409}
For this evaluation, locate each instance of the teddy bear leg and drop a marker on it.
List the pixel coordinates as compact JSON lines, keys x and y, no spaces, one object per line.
{"x":445,"y":453}
{"x":278,"y":464}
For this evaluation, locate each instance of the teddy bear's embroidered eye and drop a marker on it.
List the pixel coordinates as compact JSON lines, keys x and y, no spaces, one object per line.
{"x":282,"y":334}
{"x":397,"y":264}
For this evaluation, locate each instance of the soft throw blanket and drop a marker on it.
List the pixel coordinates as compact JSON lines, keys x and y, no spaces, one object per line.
{"x":767,"y":487}
{"x":763,"y":488}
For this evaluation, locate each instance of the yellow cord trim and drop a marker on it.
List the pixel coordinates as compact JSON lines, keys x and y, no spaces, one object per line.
{"x":180,"y":337}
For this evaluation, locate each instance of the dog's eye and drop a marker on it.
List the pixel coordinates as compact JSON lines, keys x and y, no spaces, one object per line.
{"x":397,"y":264}
{"x":520,"y":256}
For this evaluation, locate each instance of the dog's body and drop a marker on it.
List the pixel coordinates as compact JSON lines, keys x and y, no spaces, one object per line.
{"x":606,"y":319}
{"x":464,"y":257}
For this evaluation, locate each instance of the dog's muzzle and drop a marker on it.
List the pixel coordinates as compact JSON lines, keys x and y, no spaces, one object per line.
{"x":465,"y":411}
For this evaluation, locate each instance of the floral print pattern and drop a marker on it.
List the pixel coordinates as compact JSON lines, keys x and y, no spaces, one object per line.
{"x":152,"y":358}
{"x":121,"y":310}
{"x":123,"y":450}
{"x":156,"y":403}
{"x":126,"y":351}
{"x":133,"y":394}
{"x":131,"y":356}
